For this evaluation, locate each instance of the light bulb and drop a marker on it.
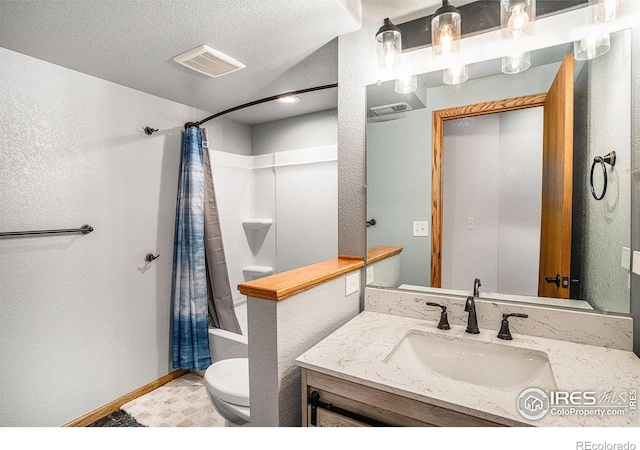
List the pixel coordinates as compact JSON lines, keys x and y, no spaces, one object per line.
{"x":389,"y":54}
{"x":519,"y":20}
{"x":446,"y":39}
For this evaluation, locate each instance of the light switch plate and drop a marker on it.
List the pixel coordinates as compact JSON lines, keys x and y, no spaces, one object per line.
{"x":352,"y":283}
{"x":421,"y":228}
{"x":636,"y":263}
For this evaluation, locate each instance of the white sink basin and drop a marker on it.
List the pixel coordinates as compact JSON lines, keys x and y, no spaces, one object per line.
{"x":483,"y":364}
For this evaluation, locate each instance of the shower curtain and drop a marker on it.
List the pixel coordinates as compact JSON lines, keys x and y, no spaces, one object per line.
{"x":201,"y":290}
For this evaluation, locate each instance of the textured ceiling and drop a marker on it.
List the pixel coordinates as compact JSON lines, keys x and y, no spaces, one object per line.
{"x":133,"y":43}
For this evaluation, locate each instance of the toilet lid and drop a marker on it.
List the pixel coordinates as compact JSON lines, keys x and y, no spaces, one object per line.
{"x":228,"y":380}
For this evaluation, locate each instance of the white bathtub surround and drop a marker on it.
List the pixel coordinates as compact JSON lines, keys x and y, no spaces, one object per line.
{"x":292,"y":194}
{"x":357,"y":352}
{"x":605,"y":330}
{"x":282,"y":330}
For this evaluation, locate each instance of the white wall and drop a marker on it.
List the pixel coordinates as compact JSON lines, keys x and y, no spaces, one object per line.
{"x":305,"y":131}
{"x":399,"y":190}
{"x":607,"y":222}
{"x":493,"y":175}
{"x":84,"y":319}
{"x":282,"y":331}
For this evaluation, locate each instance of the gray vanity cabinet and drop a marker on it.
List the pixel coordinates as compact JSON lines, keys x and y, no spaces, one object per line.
{"x":329,"y":401}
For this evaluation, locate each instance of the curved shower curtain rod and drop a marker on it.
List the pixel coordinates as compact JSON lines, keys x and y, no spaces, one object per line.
{"x":257,"y":102}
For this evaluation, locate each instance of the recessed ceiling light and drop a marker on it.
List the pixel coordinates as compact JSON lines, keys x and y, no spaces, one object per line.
{"x":289,"y":99}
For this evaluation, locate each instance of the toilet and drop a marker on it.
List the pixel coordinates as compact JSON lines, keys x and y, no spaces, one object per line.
{"x":227,"y":382}
{"x":227,"y":379}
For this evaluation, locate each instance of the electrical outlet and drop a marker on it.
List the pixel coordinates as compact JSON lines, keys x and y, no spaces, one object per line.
{"x":352,"y":283}
{"x":370,"y":275}
{"x":421,"y":228}
{"x":470,"y":223}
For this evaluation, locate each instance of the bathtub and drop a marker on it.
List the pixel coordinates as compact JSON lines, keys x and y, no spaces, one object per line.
{"x":225,"y":344}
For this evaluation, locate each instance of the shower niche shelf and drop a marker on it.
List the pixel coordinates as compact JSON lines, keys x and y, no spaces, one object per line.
{"x":255,"y":272}
{"x":257,"y":224}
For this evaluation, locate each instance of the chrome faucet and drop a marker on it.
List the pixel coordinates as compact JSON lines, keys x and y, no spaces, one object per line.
{"x":472,"y":323}
{"x":476,"y":287}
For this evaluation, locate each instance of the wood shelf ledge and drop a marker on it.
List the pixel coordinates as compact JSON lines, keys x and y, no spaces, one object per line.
{"x":282,"y":285}
{"x":375,"y":254}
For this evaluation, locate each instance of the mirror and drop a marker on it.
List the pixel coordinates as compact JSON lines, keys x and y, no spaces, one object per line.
{"x":485,"y":215}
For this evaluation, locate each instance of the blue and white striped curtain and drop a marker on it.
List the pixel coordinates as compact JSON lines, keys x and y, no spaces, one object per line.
{"x":189,"y":296}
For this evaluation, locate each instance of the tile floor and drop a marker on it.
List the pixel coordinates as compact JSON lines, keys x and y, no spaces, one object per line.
{"x":182,"y":402}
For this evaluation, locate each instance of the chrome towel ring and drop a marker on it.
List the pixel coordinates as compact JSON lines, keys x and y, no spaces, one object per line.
{"x":610,"y":159}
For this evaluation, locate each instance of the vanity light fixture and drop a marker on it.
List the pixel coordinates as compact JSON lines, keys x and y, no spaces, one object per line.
{"x":601,"y":13}
{"x":389,"y":41}
{"x":517,"y":21}
{"x":605,"y":11}
{"x":446,"y":26}
{"x":455,"y":74}
{"x":517,"y":18}
{"x":289,"y":99}
{"x":591,"y":47}
{"x":446,"y":31}
{"x":406,"y":84}
{"x":516,"y":63}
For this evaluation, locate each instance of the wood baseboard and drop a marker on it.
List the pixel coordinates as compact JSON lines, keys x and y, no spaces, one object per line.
{"x":115,"y":405}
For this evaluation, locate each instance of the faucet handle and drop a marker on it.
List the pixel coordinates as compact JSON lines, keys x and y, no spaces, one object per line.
{"x":444,"y":322}
{"x":505,"y":333}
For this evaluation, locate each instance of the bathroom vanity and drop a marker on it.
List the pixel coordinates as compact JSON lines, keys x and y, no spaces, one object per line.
{"x":385,"y":368}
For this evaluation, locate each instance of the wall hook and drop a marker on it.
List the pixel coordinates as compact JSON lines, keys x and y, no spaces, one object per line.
{"x":149,"y":131}
{"x":150,"y":258}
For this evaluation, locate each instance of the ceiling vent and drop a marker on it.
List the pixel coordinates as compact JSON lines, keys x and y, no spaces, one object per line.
{"x":393,"y":108}
{"x":208,"y":61}
{"x":392,"y":111}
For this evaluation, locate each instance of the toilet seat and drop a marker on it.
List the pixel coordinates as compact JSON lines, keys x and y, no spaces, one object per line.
{"x":228,"y":380}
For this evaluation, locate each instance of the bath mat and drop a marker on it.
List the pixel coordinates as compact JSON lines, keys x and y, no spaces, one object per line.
{"x":182,"y":402}
{"x":116,"y":419}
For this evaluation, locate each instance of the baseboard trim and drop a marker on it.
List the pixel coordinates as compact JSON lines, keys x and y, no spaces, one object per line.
{"x":115,"y":405}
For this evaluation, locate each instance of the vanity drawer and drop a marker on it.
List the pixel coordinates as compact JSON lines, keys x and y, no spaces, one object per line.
{"x":375,"y":405}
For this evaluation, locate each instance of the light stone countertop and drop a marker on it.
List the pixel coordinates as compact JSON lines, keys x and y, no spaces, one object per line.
{"x":357,"y":352}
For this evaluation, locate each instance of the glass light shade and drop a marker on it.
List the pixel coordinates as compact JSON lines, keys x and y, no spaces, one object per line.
{"x":445,"y":34}
{"x":605,"y":11}
{"x":516,"y":63}
{"x":591,"y":47}
{"x":406,"y":84}
{"x":389,"y":50}
{"x":517,"y":18}
{"x":455,"y":74}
